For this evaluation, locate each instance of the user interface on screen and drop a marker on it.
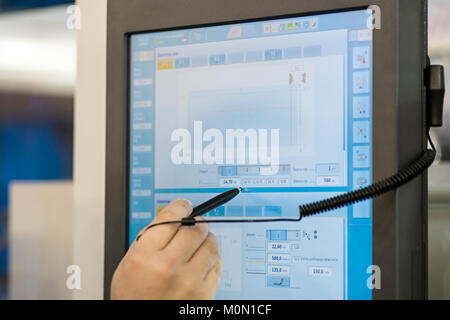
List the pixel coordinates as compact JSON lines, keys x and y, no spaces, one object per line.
{"x":279,"y":107}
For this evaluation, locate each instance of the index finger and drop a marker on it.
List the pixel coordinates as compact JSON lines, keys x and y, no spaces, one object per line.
{"x":159,"y":236}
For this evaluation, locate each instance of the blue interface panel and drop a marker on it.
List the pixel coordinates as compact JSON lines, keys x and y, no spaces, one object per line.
{"x":281,"y":108}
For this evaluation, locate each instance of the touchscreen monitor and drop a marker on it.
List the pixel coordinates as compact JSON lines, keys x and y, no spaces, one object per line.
{"x":280,"y":107}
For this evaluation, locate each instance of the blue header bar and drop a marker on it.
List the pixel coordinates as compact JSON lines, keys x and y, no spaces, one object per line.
{"x":351,"y":20}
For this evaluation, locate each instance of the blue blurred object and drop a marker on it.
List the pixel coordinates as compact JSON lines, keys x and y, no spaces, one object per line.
{"x":12,"y":5}
{"x":35,"y":144}
{"x":31,"y":152}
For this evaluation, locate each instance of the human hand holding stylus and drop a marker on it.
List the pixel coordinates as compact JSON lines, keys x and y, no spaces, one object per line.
{"x":170,"y":262}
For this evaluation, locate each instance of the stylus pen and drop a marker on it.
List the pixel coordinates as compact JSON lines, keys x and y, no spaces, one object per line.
{"x":213,"y":203}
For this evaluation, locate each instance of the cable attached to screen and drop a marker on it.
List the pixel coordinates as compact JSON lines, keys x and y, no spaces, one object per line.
{"x":388,"y":184}
{"x":402,"y":177}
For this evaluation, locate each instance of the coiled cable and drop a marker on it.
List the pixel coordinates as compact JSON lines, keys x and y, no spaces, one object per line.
{"x":402,"y":177}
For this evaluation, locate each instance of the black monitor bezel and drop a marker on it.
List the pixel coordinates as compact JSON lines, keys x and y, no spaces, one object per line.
{"x":115,"y":247}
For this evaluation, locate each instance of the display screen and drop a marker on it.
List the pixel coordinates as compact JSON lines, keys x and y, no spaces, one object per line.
{"x":280,"y":107}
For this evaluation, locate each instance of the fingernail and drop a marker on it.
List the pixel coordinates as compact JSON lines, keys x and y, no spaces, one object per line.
{"x":188,"y":201}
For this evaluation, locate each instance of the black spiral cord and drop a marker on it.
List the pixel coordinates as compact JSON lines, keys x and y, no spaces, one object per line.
{"x":402,"y":177}
{"x":388,"y":184}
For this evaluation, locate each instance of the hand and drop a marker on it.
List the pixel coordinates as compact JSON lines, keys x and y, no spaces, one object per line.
{"x":170,"y":261}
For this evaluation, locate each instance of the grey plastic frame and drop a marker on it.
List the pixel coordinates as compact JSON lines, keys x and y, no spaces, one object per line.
{"x":399,"y":59}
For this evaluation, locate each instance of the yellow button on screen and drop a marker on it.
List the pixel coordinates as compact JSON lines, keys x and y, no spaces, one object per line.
{"x":165,"y":64}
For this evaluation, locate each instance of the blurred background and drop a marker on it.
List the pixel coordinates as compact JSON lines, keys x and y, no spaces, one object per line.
{"x":37,"y":76}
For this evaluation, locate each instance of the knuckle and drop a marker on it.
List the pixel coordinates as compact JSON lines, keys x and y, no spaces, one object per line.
{"x":163,"y":269}
{"x":198,"y":231}
{"x":170,"y":259}
{"x":133,"y":263}
{"x":212,"y":245}
{"x":188,"y":285}
{"x":204,"y":226}
{"x":219,"y":266}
